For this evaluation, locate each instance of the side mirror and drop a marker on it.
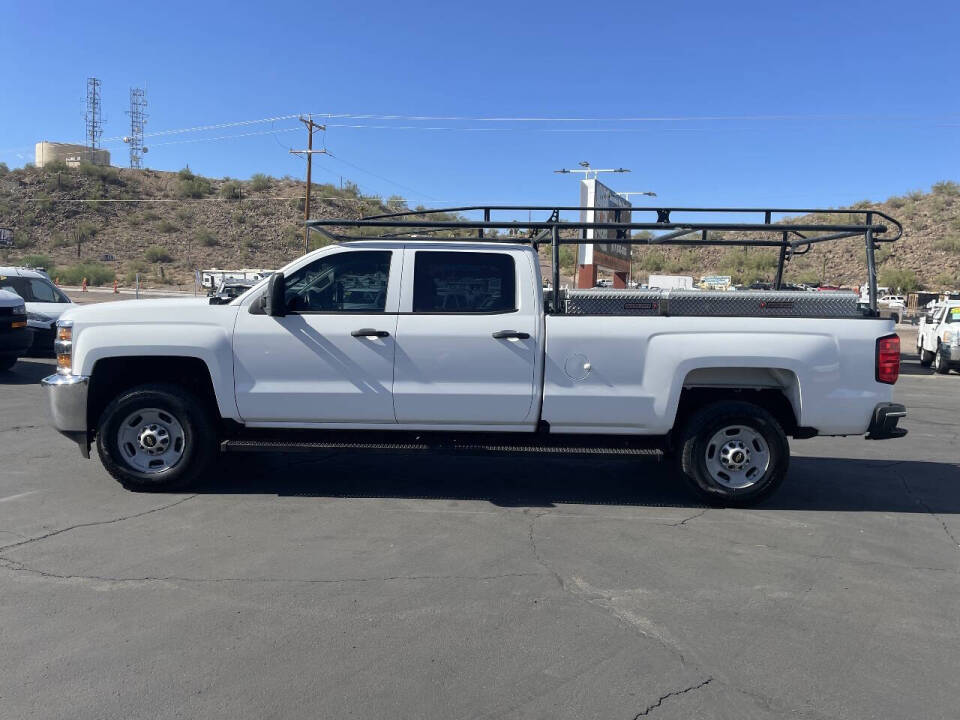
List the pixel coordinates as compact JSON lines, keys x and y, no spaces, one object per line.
{"x":273,"y":301}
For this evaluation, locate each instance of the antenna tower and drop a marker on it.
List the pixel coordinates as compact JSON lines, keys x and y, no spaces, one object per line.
{"x":138,"y":118}
{"x":93,"y":117}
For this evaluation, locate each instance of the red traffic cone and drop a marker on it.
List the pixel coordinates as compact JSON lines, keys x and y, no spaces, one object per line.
{"x":115,"y":291}
{"x":83,"y":285}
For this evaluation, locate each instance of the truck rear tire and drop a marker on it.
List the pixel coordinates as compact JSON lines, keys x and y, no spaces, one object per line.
{"x":156,"y":438}
{"x":733,"y":453}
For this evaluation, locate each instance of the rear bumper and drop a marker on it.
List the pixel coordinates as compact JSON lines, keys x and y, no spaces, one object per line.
{"x":883,"y":425}
{"x":67,"y":399}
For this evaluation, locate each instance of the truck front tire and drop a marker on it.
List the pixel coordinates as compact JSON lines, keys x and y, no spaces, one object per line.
{"x":926,"y":357}
{"x":940,"y":362}
{"x":156,"y":438}
{"x":733,"y":453}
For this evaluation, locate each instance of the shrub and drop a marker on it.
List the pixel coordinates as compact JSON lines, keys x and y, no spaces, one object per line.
{"x":192,"y":186}
{"x":3,"y":169}
{"x":37,"y":261}
{"x":239,"y":218}
{"x":946,"y":187}
{"x":87,"y":230}
{"x":900,"y":279}
{"x":137,"y":267}
{"x":653,"y":261}
{"x":95,"y":273}
{"x":950,"y":244}
{"x":150,"y":216}
{"x":103,"y":173}
{"x":947,"y":281}
{"x":259,"y":181}
{"x":230,"y":190}
{"x":165,"y":226}
{"x":157,"y":255}
{"x":205,"y":237}
{"x":185,"y":215}
{"x":57,"y":166}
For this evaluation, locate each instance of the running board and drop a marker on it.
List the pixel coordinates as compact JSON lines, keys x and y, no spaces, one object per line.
{"x":575,"y":445}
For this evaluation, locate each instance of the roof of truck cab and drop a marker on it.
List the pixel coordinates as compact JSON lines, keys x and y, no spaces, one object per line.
{"x":439,"y":242}
{"x":22,"y":272}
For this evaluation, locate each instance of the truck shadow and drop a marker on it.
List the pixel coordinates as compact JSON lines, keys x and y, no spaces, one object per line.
{"x":28,"y":371}
{"x":830,"y":484}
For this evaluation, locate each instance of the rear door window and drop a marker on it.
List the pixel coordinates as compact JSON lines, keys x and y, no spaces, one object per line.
{"x":463,"y":282}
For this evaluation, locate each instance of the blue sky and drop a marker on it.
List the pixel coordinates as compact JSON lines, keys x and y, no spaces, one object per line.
{"x":732,"y":103}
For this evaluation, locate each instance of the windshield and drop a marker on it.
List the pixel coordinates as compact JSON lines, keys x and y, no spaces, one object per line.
{"x":33,"y":289}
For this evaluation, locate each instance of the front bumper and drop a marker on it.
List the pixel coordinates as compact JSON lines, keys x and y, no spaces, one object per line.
{"x":883,"y":425}
{"x":67,"y":397}
{"x":951,"y":352}
{"x":15,"y":342}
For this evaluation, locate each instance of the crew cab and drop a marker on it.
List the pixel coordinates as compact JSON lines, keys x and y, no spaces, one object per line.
{"x":938,"y":339}
{"x":417,"y":343}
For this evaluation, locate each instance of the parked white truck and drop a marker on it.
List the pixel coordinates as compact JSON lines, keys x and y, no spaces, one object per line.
{"x":412,"y":343}
{"x":938,"y":340}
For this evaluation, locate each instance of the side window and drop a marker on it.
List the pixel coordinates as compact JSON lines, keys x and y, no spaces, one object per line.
{"x":42,"y":291}
{"x":463,"y":282}
{"x":353,"y":281}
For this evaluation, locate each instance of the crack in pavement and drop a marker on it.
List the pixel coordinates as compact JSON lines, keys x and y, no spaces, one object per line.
{"x":94,"y":524}
{"x":583,"y":593}
{"x":17,"y":428}
{"x":675,"y":693}
{"x":923,"y":504}
{"x":688,"y":519}
{"x":16,"y":566}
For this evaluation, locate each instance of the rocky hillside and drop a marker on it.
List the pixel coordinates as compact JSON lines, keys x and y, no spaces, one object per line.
{"x":103,"y":223}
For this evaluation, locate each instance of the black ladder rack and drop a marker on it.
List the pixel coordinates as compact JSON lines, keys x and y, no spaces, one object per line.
{"x":791,"y":238}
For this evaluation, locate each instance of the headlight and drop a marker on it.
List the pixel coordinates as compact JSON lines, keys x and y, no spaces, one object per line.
{"x":20,"y":310}
{"x":63,"y":347}
{"x":951,"y":337}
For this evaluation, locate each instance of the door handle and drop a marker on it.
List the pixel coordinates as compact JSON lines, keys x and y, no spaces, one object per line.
{"x":510,"y":335}
{"x":369,"y":333}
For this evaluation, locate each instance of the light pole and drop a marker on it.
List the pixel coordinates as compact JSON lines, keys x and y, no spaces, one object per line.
{"x":590,"y":173}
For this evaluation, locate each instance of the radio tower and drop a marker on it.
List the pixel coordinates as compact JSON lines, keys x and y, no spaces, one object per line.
{"x":138,"y":118}
{"x":93,"y":117}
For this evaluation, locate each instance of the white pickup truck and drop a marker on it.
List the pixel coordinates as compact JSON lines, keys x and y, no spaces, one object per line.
{"x":938,"y":340}
{"x":412,"y":343}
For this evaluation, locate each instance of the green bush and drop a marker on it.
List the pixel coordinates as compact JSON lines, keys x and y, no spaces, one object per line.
{"x":653,"y":261}
{"x":900,"y":279}
{"x":950,"y":244}
{"x":230,"y":190}
{"x":205,"y":237}
{"x":104,"y":173}
{"x":192,"y":186}
{"x":185,"y":215}
{"x":150,"y":216}
{"x":133,"y":269}
{"x":157,"y":255}
{"x":3,"y":169}
{"x":239,"y":218}
{"x":57,"y":166}
{"x":41,"y":261}
{"x":259,"y":181}
{"x":95,"y":273}
{"x":946,"y":187}
{"x":166,"y":227}
{"x":947,"y":281}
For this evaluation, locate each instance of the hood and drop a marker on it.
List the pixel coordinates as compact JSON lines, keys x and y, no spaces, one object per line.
{"x":51,"y":310}
{"x":157,"y":310}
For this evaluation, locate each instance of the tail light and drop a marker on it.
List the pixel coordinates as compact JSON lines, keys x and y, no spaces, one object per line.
{"x":888,"y":359}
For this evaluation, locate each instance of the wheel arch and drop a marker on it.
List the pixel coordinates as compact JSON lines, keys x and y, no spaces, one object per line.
{"x":113,"y":375}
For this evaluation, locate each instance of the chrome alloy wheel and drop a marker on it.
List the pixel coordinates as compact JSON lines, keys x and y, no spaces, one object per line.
{"x":737,"y":456}
{"x":151,"y":440}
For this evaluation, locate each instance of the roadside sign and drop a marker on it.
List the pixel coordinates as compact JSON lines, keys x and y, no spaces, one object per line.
{"x":719,"y":281}
{"x":6,"y":237}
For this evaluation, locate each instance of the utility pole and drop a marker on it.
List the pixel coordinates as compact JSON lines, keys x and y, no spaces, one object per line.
{"x":311,"y":126}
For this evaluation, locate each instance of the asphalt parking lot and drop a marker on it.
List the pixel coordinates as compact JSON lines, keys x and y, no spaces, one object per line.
{"x":411,"y":586}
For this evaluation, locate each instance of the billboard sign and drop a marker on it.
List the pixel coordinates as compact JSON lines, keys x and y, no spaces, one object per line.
{"x":716,"y":282}
{"x":604,"y":205}
{"x":6,"y":237}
